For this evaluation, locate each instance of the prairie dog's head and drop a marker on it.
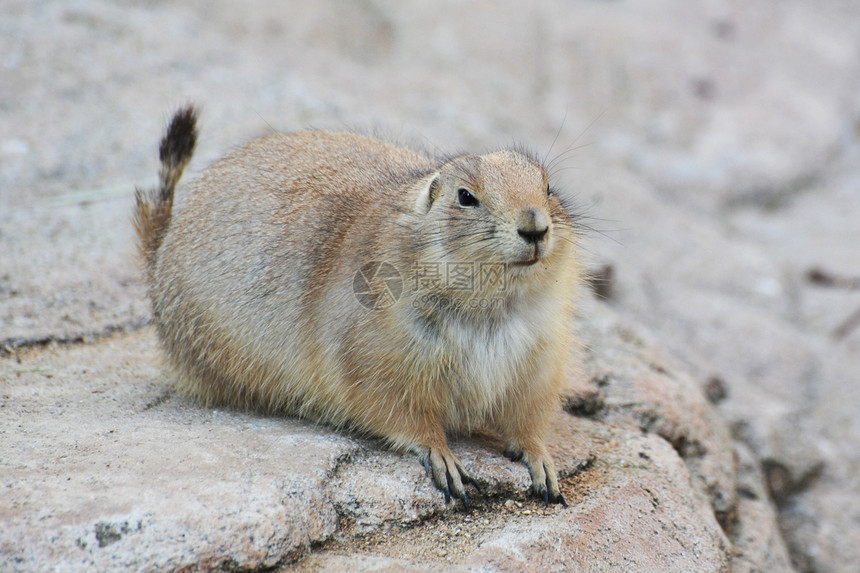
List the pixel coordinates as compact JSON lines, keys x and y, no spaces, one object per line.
{"x":494,"y":209}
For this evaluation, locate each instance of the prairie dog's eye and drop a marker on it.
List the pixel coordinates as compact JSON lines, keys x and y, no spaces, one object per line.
{"x":548,"y":190}
{"x":465,"y":198}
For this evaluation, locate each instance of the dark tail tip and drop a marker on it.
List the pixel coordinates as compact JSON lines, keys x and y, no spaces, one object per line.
{"x":153,"y":208}
{"x":177,"y":147}
{"x":178,"y":142}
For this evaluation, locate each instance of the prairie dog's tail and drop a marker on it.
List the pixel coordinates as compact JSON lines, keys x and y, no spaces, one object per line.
{"x":153,"y":207}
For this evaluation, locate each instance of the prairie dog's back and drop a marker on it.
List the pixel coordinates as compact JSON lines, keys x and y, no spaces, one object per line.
{"x":258,"y":236}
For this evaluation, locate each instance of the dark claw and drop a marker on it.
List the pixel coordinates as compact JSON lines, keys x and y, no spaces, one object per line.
{"x":473,"y":481}
{"x":514,"y":456}
{"x":554,"y":499}
{"x":447,"y":492}
{"x":546,"y":496}
{"x":450,"y":487}
{"x":465,"y":501}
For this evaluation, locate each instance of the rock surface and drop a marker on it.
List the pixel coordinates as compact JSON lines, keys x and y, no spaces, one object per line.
{"x":107,"y":470}
{"x":715,"y":145}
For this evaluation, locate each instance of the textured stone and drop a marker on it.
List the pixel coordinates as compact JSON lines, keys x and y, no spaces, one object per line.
{"x":756,"y":537}
{"x":104,"y":469}
{"x":69,"y":271}
{"x":634,"y":508}
{"x":107,"y":469}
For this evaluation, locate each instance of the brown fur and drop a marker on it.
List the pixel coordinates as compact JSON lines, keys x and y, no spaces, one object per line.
{"x":153,"y":210}
{"x":252,"y":285}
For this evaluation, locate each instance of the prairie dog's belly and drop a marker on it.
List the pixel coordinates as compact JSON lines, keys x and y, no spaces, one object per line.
{"x":496,"y":361}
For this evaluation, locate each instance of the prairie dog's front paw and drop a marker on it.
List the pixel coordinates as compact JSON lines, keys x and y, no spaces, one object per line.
{"x":543,"y":474}
{"x":449,"y":475}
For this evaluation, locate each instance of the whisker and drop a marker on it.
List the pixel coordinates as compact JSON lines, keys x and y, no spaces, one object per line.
{"x":557,"y":134}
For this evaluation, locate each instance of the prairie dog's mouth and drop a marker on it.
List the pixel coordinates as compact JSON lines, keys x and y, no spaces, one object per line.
{"x":536,"y":256}
{"x":527,"y":262}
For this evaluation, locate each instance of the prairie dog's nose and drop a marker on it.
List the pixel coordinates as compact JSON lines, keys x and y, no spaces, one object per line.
{"x":533,"y":225}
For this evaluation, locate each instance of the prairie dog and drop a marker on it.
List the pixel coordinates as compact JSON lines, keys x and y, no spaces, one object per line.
{"x":340,"y":278}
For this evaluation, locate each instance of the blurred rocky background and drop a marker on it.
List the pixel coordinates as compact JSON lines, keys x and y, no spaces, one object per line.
{"x":714,"y":148}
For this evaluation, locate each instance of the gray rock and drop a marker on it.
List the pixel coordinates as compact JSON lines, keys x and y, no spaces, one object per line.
{"x":71,"y":272}
{"x":106,"y":469}
{"x":755,"y":534}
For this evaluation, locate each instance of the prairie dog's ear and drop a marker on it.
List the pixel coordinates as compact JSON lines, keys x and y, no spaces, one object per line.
{"x":429,"y":188}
